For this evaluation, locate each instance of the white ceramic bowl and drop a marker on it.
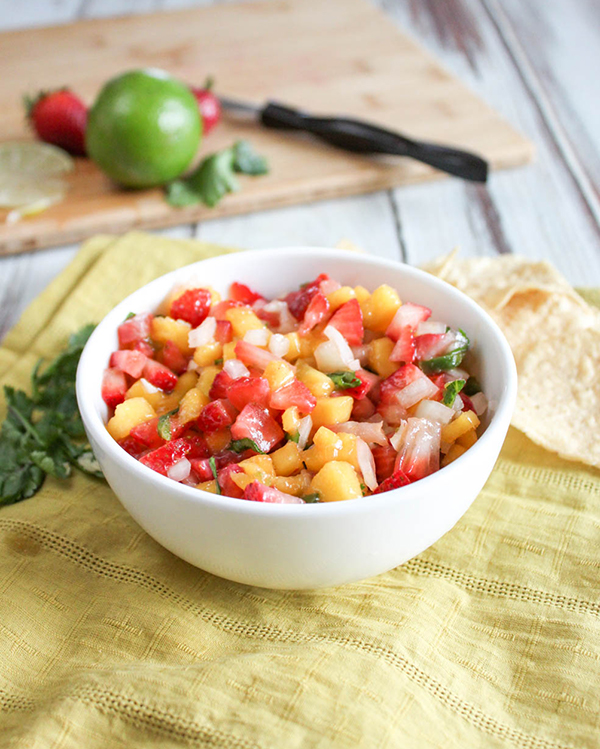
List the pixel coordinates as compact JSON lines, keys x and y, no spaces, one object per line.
{"x":302,"y":546}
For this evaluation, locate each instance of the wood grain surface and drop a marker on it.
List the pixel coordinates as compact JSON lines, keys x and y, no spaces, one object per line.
{"x":533,"y":62}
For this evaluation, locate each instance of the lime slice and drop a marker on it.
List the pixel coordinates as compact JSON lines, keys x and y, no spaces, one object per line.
{"x":31,"y":174}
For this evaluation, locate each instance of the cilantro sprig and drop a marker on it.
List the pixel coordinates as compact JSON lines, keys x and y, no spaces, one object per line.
{"x":449,"y":360}
{"x":215,"y":176}
{"x":43,"y":433}
{"x":239,"y":446}
{"x":451,"y":390}
{"x":344,"y":380}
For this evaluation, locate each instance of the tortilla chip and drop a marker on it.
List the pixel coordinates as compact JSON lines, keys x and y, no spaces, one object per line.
{"x":555,"y":338}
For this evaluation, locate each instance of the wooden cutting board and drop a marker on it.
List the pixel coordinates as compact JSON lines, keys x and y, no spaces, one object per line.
{"x":334,"y":57}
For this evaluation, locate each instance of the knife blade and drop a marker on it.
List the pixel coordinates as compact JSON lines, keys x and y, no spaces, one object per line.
{"x":364,"y":137}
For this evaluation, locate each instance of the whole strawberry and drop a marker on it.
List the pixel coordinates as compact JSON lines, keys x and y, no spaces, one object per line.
{"x":209,"y":105}
{"x":59,"y":117}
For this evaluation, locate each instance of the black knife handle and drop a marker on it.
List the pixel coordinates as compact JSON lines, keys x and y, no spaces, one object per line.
{"x":362,"y":137}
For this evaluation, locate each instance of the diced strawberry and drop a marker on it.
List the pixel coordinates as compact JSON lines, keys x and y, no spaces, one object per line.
{"x":294,"y":394}
{"x":246,"y":390}
{"x":257,"y":424}
{"x":132,"y":446}
{"x":172,"y":357}
{"x":224,"y":331}
{"x":257,"y":492}
{"x":227,"y":484}
{"x":402,"y":377}
{"x":439,"y":380}
{"x":409,"y":315}
{"x":419,"y":454}
{"x":253,"y":356}
{"x":368,"y":380}
{"x":202,"y":465}
{"x":130,"y":362}
{"x":404,"y":350}
{"x":385,"y":458}
{"x":316,"y":312}
{"x":201,"y":468}
{"x":395,"y":481}
{"x":272,"y":318}
{"x":219,"y":386}
{"x":242,"y":293}
{"x":145,"y":348}
{"x":299,"y":300}
{"x":219,"y":309}
{"x":159,"y":375}
{"x":164,"y":457}
{"x":392,"y":412}
{"x":348,"y":320}
{"x":198,"y":446}
{"x":467,"y":403}
{"x":114,"y":387}
{"x":216,"y":415}
{"x":430,"y":345}
{"x":192,"y":306}
{"x":147,"y":434}
{"x":363,"y":409}
{"x":134,"y":330}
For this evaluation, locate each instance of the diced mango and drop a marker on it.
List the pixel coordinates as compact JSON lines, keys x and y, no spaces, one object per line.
{"x":464,"y":423}
{"x":208,"y":486}
{"x":336,"y":481}
{"x":215,"y":297}
{"x":243,"y":479}
{"x":379,"y":356}
{"x":468,"y":439}
{"x":278,"y":374}
{"x":294,"y":349}
{"x":187,"y":381}
{"x":361,"y":294}
{"x":287,"y":459}
{"x":217,"y":441}
{"x":298,"y":485}
{"x":455,"y":452}
{"x":127,"y":415}
{"x":380,"y":308}
{"x":309,"y":342}
{"x":161,"y":402}
{"x":191,"y":404}
{"x":258,"y":464}
{"x":328,"y":445}
{"x":208,"y":353}
{"x":229,"y":350}
{"x":290,"y":419}
{"x":207,"y":377}
{"x":167,"y":329}
{"x":242,"y":320}
{"x":332,"y":411}
{"x":317,"y":382}
{"x":340,"y":296}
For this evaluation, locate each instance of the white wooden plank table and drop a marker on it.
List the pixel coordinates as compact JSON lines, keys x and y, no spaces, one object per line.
{"x":532,"y":61}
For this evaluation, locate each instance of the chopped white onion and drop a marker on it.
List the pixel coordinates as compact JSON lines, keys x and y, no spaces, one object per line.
{"x":338,"y":339}
{"x":370,"y":432}
{"x":480,"y":403}
{"x":258,"y":336}
{"x":192,"y":366}
{"x":236,"y":369}
{"x":279,"y":344}
{"x":429,"y":326}
{"x":416,"y":391}
{"x":458,"y":404}
{"x":397,"y":439}
{"x":328,"y":358}
{"x":148,"y":386}
{"x":419,"y":454}
{"x":203,"y":334}
{"x":457,"y":374}
{"x":180,"y":471}
{"x":304,"y":428}
{"x":366,"y":463}
{"x":434,"y":411}
{"x":287,"y":322}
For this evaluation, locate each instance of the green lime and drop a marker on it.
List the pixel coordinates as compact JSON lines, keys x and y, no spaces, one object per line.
{"x":144,"y":128}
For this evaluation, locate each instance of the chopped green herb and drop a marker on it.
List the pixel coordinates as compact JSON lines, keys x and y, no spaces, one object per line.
{"x":164,"y":425}
{"x":219,"y":361}
{"x":130,"y":315}
{"x":451,"y":390}
{"x":450,"y":360}
{"x":215,"y":176}
{"x":294,"y":437}
{"x":472,"y":387}
{"x":43,"y":433}
{"x":345,"y":380}
{"x":238,"y":446}
{"x":363,"y":489}
{"x":213,"y":468}
{"x":312,"y":499}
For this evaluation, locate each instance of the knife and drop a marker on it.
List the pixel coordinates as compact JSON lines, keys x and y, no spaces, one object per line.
{"x":362,"y":137}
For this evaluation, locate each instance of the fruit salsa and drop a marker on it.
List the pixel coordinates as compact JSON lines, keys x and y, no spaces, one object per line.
{"x":327,"y":393}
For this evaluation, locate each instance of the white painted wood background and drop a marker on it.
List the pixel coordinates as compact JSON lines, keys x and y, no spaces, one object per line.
{"x":536,"y":62}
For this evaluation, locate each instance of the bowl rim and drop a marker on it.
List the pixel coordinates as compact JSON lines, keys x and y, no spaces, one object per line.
{"x":498,"y":422}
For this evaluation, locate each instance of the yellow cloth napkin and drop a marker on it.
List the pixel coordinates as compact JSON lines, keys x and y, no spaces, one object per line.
{"x":491,"y":638}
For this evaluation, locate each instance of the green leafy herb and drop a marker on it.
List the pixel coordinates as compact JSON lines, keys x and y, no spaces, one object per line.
{"x":312,"y":499}
{"x":450,"y":360}
{"x":213,"y":467}
{"x":363,"y":489}
{"x":451,"y":390}
{"x":215,"y":176}
{"x":164,"y":425}
{"x":219,"y":361}
{"x":294,"y":437}
{"x":344,"y":380}
{"x":238,"y":446}
{"x":472,"y":387}
{"x":43,"y":434}
{"x":129,"y":316}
